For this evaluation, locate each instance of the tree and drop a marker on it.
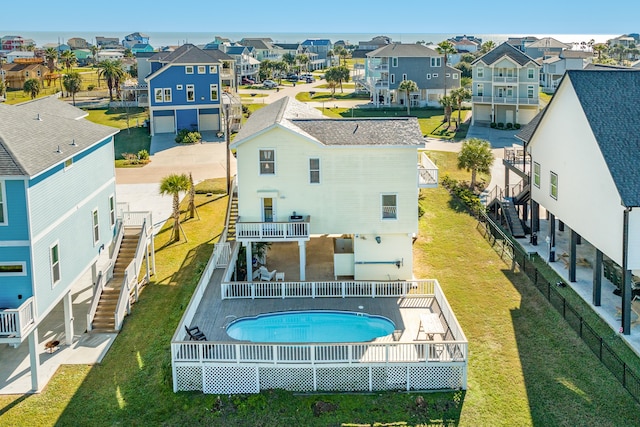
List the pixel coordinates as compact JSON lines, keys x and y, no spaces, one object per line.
{"x":128,"y":53}
{"x":408,"y":86}
{"x":72,"y":83}
{"x":112,"y":73}
{"x":458,"y":96}
{"x":289,"y":59}
{"x":172,"y":185}
{"x":475,"y":156}
{"x":266,"y":69}
{"x":447,"y":104}
{"x":445,"y":48}
{"x":303,"y":60}
{"x":600,"y":49}
{"x":69,"y":59}
{"x":466,"y":69}
{"x":337,"y":75}
{"x":94,"y":53}
{"x":192,"y":197}
{"x":32,"y":87}
{"x":3,"y":88}
{"x":330,"y":55}
{"x":342,"y":53}
{"x":51,"y":57}
{"x":487,"y":46}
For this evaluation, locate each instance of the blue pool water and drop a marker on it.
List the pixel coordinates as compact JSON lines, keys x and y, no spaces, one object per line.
{"x":310,"y":327}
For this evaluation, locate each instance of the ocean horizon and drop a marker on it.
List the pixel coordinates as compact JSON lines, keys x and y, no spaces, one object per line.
{"x":160,"y":39}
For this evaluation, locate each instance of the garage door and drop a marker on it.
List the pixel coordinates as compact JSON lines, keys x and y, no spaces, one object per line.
{"x":163,"y":124}
{"x":209,"y":122}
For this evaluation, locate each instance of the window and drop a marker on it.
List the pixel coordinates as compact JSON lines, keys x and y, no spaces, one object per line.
{"x":404,"y":77}
{"x":188,"y":69}
{"x":158,"y":94}
{"x":530,"y":73}
{"x":202,"y":69}
{"x":480,"y":89}
{"x":554,"y":185}
{"x":530,"y":92}
{"x":393,"y":78}
{"x":167,"y":95}
{"x":191,"y":93}
{"x":96,"y":226}
{"x":389,"y":206}
{"x":3,"y":205}
{"x":394,"y":62}
{"x":267,"y":162}
{"x":314,"y":171}
{"x":435,"y":75}
{"x":213,"y":69}
{"x":429,"y":76}
{"x":26,"y":74}
{"x":13,"y":269}
{"x":54,"y":253}
{"x":480,"y":72}
{"x":455,"y":76}
{"x":536,"y":174}
{"x":112,"y":211}
{"x":447,"y":75}
{"x":38,"y":73}
{"x":213,"y":90}
{"x":68,"y":163}
{"x":436,"y":62}
{"x":178,"y":87}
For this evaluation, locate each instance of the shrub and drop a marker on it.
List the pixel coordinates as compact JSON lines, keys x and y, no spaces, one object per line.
{"x":500,"y":125}
{"x":493,"y":125}
{"x":131,"y":158}
{"x":186,"y":136}
{"x":517,"y":125}
{"x":91,"y":87}
{"x":509,"y":125}
{"x":143,"y":155}
{"x":463,"y":192}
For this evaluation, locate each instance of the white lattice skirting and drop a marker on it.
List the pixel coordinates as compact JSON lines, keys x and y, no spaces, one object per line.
{"x":234,"y":379}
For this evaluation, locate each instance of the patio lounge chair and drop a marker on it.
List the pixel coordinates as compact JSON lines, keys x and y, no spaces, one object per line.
{"x":266,"y":274}
{"x":195,"y":334}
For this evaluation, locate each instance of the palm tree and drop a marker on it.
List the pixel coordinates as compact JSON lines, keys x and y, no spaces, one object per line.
{"x":408,"y":86}
{"x":112,"y":73}
{"x":192,"y":197}
{"x":475,"y":156}
{"x":445,"y":48}
{"x":330,"y":55}
{"x":94,"y":53}
{"x":447,"y":103}
{"x":51,"y":56}
{"x":69,"y":59}
{"x":266,"y":69}
{"x":172,"y":185}
{"x":303,"y":60}
{"x":458,"y":96}
{"x":32,"y":87}
{"x":72,"y":83}
{"x":487,"y":46}
{"x":600,"y":49}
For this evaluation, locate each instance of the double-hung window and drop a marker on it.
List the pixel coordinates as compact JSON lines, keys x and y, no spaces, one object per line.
{"x":536,"y":174}
{"x":167,"y":94}
{"x":389,"y":206}
{"x":112,"y":211}
{"x":394,"y":62}
{"x":213,"y":90}
{"x":553,"y":181}
{"x":530,"y":92}
{"x":202,"y":69}
{"x":95,"y":225}
{"x":314,"y":171}
{"x":480,"y":72}
{"x":157,"y":93}
{"x":191,"y":93}
{"x":393,"y":78}
{"x":480,"y":89}
{"x":188,"y":69}
{"x":267,"y":162}
{"x":436,"y":62}
{"x":54,"y":258}
{"x":213,"y":69}
{"x":530,"y":73}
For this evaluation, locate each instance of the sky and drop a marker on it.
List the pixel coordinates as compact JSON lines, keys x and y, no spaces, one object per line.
{"x":334,"y":16}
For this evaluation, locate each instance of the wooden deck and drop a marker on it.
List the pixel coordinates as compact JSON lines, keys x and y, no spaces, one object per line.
{"x":214,"y":314}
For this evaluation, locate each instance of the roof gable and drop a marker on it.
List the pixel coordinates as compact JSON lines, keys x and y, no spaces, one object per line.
{"x":505,"y":49}
{"x":403,"y":50}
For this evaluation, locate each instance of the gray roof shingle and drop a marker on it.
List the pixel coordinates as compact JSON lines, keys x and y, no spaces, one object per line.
{"x":28,"y":146}
{"x":505,"y":49}
{"x":403,"y":51}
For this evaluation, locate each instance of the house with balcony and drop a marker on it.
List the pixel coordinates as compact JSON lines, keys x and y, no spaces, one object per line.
{"x":78,"y":43}
{"x":246,"y":66}
{"x":386,"y":67}
{"x":546,"y":47}
{"x":184,"y":89}
{"x":23,"y":69}
{"x":57,"y":213}
{"x":107,"y":42}
{"x":554,"y":67}
{"x":293,"y":164}
{"x":262,"y":48}
{"x":584,"y":150}
{"x":321,"y":47}
{"x":133,"y":39}
{"x":506,"y":83}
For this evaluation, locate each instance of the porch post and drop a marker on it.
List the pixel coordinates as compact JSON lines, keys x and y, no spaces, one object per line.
{"x":560,"y":226}
{"x":94,"y":273}
{"x":597,"y":279}
{"x":249,"y":260}
{"x":552,"y":237}
{"x":506,"y":181}
{"x":626,"y":275}
{"x":572,"y":254}
{"x":68,"y":318}
{"x":34,"y":359}
{"x":303,"y":260}
{"x":535,"y":220}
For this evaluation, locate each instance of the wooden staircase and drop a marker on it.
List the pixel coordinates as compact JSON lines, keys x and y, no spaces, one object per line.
{"x":511,"y":217}
{"x":233,"y":218}
{"x":104,"y":320}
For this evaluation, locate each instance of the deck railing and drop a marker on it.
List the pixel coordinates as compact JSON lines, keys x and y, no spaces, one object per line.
{"x":15,"y":322}
{"x":427,"y":172}
{"x":269,"y":231}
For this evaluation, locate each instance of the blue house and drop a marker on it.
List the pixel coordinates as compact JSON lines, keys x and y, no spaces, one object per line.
{"x":185,"y":89}
{"x":57,"y":213}
{"x":135,"y":38}
{"x":141,"y":47}
{"x":319,"y":46}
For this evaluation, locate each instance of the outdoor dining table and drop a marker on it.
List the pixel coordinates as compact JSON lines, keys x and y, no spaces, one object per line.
{"x":430,"y":325}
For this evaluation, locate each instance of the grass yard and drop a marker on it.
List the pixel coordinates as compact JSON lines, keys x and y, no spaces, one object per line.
{"x":16,"y":96}
{"x":326,"y":96}
{"x":527,"y":368}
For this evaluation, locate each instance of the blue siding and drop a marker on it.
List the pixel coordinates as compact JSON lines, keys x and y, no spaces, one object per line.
{"x":12,"y":286}
{"x":155,"y":66}
{"x":16,"y":212}
{"x":176,"y":75}
{"x":187,"y":119}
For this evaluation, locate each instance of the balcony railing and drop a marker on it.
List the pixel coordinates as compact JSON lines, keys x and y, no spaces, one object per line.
{"x":427,"y":172}
{"x":504,"y":100}
{"x":273,"y":231}
{"x":503,"y":79}
{"x":15,"y":322}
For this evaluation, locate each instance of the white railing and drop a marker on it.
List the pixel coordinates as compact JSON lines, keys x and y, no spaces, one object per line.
{"x":15,"y":322}
{"x":136,"y":219}
{"x":311,"y":354}
{"x":272,"y":230}
{"x":225,"y":232}
{"x":499,"y":79}
{"x":327,"y":289}
{"x":97,"y":292}
{"x":123,"y":307}
{"x":504,"y":100}
{"x":427,"y":172}
{"x":449,"y":317}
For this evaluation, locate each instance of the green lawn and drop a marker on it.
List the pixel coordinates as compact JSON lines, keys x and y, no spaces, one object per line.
{"x":326,"y":96}
{"x":527,"y":367}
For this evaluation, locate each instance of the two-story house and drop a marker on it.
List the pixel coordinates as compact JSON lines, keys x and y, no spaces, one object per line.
{"x":546,"y":47}
{"x":57,"y":213}
{"x":78,"y":43}
{"x":107,"y":42}
{"x":386,"y":67}
{"x":184,"y":89}
{"x":584,"y":151}
{"x":23,"y":69}
{"x":301,"y":174}
{"x":134,"y":39}
{"x":247,"y":67}
{"x":554,"y":67}
{"x":262,"y":48}
{"x":321,"y":47}
{"x":506,"y":83}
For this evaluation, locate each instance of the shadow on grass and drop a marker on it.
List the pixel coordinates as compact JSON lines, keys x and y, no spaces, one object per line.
{"x":14,"y":403}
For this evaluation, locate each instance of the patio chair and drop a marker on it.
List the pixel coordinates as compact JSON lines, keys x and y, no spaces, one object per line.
{"x":195,"y":334}
{"x":266,"y":274}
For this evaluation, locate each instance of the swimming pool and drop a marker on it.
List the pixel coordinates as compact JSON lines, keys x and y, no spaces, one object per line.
{"x":310,"y":327}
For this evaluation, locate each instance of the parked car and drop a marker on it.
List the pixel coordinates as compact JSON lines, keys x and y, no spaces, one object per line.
{"x":310,"y":79}
{"x":306,"y":76}
{"x":248,"y":81}
{"x":292,"y":77}
{"x":269,"y":84}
